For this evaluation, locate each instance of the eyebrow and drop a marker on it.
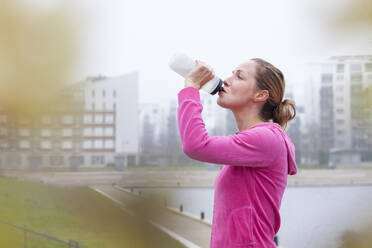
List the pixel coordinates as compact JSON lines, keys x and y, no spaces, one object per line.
{"x":240,"y":71}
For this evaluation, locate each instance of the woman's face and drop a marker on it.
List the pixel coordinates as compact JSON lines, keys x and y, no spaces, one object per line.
{"x":239,"y":88}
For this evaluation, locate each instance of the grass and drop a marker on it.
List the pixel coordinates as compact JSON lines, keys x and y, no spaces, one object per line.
{"x":78,"y":214}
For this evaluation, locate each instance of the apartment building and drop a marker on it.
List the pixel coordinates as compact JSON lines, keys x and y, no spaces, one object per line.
{"x":96,"y":127}
{"x":337,"y":103}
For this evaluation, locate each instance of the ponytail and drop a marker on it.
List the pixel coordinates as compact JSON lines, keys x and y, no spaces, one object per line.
{"x":284,"y":112}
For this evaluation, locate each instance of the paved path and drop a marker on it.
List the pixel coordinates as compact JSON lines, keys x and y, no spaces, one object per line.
{"x":191,"y":232}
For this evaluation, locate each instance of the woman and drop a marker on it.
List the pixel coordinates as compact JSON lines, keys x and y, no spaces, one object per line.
{"x":256,"y":160}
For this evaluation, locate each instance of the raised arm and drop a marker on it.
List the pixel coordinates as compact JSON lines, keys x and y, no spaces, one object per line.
{"x":256,"y":147}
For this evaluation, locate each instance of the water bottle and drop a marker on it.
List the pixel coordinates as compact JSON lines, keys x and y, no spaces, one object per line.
{"x":183,"y":65}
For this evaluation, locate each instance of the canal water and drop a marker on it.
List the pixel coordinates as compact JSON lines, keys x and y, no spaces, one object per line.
{"x":311,"y":217}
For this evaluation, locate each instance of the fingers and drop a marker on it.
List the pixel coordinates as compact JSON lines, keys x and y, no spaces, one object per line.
{"x":200,"y":75}
{"x":203,"y":67}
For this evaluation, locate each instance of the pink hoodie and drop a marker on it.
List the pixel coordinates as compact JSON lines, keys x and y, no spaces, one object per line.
{"x":250,"y":185}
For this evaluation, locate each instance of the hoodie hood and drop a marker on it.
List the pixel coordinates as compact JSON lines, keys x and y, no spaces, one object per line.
{"x":292,"y":167}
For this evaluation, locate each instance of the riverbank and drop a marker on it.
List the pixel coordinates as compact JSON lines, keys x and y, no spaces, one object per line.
{"x":189,"y":178}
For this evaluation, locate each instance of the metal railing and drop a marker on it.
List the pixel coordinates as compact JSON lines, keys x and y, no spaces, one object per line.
{"x":32,"y":238}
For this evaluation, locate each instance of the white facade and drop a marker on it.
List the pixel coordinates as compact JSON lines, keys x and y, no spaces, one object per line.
{"x":118,"y":95}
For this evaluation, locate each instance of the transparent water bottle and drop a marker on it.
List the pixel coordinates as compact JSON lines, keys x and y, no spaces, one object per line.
{"x":183,"y":65}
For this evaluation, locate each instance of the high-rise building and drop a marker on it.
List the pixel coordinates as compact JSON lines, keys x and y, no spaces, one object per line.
{"x":337,"y":106}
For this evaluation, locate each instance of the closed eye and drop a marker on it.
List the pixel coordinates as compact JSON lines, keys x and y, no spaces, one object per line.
{"x":237,"y":73}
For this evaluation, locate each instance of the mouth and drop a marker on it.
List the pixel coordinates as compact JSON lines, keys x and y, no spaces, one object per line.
{"x":222,"y":91}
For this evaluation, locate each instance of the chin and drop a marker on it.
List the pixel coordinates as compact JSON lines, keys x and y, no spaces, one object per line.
{"x":222,"y":104}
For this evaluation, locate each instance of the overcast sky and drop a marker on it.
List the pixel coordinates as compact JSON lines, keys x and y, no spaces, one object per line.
{"x":127,"y":35}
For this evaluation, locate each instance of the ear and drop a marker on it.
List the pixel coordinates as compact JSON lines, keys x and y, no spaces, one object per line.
{"x":261,"y":96}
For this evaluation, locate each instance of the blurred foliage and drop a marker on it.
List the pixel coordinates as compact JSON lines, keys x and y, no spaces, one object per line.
{"x":37,"y":50}
{"x":356,"y":12}
{"x":362,"y":239}
{"x":77,"y":213}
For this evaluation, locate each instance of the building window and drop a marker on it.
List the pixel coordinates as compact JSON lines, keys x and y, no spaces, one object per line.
{"x":340,"y":99}
{"x":368,"y":67}
{"x":103,"y":93}
{"x":67,"y":132}
{"x":340,"y":132}
{"x":356,"y":78}
{"x":340,"y":122}
{"x":67,"y":145}
{"x":46,"y":132}
{"x":109,"y":131}
{"x":327,"y":78}
{"x":24,"y":144}
{"x":114,"y":93}
{"x":340,"y":68}
{"x":355,"y":67}
{"x":340,"y":111}
{"x":46,"y":144}
{"x":88,"y":118}
{"x":97,"y":160}
{"x":327,"y":68}
{"x":104,"y":106}
{"x":340,"y":77}
{"x":98,"y":131}
{"x":93,"y":93}
{"x":339,"y":88}
{"x":98,"y":118}
{"x":109,"y":144}
{"x":369,"y":77}
{"x":98,"y":144}
{"x":87,"y":131}
{"x":93,"y":106}
{"x":109,"y":118}
{"x":87,"y":144}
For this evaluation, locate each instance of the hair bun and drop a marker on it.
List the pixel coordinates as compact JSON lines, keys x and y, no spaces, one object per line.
{"x":284,"y":112}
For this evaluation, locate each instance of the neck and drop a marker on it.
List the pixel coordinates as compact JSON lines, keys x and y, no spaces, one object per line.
{"x":246,"y":118}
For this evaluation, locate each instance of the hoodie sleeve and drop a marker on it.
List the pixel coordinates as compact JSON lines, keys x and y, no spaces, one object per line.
{"x":255,"y":147}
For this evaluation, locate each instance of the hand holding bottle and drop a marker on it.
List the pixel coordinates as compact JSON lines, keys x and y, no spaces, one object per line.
{"x":200,"y":75}
{"x":196,"y":73}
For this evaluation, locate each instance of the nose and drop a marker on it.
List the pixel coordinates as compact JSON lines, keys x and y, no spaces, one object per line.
{"x":226,"y":83}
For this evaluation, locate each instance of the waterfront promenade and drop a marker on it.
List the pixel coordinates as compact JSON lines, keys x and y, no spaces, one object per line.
{"x":199,"y":178}
{"x":191,"y":232}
